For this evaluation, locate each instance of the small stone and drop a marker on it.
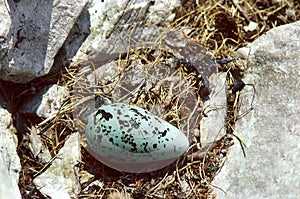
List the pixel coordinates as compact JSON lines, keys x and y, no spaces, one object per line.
{"x":251,"y":26}
{"x":37,"y":147}
{"x":60,"y":179}
{"x":212,"y":126}
{"x":48,"y":102}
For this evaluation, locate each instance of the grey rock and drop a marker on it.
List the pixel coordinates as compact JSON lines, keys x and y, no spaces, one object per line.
{"x":272,"y":130}
{"x":4,"y":19}
{"x":192,"y":51}
{"x":47,"y":103}
{"x":37,"y":147}
{"x":212,"y":126}
{"x":76,"y":37}
{"x":60,"y":180}
{"x":37,"y":32}
{"x":9,"y":160}
{"x":120,"y":25}
{"x":5,"y":22}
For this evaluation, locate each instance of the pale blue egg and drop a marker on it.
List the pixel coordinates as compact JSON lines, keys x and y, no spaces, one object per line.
{"x":131,"y":139}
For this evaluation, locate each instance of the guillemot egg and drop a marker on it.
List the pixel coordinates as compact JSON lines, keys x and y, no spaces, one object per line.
{"x":131,"y":139}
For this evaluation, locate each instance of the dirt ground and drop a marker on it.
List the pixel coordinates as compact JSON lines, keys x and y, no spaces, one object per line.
{"x":222,"y":26}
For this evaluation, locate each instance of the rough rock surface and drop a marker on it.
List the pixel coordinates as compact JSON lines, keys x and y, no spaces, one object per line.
{"x":36,"y":146}
{"x":212,"y":126}
{"x":37,"y":31}
{"x":9,"y":161}
{"x":272,"y":130}
{"x":60,"y":179}
{"x":47,"y":103}
{"x":5,"y":22}
{"x":117,"y":26}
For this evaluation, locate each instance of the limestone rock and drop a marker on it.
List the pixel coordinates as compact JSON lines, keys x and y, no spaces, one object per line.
{"x":272,"y":130}
{"x":185,"y":48}
{"x":5,"y":22}
{"x":60,"y":179}
{"x":37,"y":147}
{"x":119,"y":25}
{"x":37,"y":32}
{"x":9,"y":161}
{"x":212,"y":126}
{"x":47,"y":102}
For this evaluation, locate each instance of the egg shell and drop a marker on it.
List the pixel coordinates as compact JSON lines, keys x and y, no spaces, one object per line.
{"x":131,"y":139}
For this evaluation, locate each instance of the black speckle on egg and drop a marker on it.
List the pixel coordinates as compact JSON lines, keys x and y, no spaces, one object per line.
{"x":134,"y":124}
{"x":133,"y":150}
{"x":133,"y":144}
{"x":106,"y":115}
{"x":121,"y":123}
{"x":98,"y":129}
{"x":162,"y":133}
{"x":154,"y":146}
{"x":124,"y":123}
{"x":157,"y":120}
{"x":145,"y":147}
{"x":145,"y":118}
{"x":95,"y":120}
{"x":128,"y":131}
{"x":99,"y":138}
{"x":111,"y":140}
{"x":135,"y":111}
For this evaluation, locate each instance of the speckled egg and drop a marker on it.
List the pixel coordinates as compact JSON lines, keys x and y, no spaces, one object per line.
{"x":131,"y":139}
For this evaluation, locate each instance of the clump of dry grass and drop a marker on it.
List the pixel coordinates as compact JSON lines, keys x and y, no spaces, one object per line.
{"x":218,"y":25}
